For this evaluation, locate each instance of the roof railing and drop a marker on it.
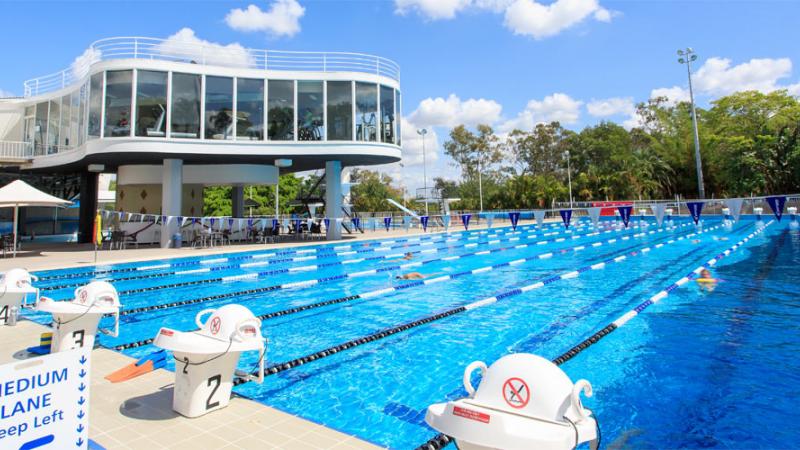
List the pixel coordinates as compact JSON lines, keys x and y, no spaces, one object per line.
{"x":232,"y":55}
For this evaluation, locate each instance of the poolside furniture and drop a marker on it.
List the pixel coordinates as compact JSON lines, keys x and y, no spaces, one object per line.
{"x":16,"y":286}
{"x":75,"y":322}
{"x":206,"y":359}
{"x":504,"y":413}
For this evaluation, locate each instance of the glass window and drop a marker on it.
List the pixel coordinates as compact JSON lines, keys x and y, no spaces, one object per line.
{"x":95,"y":104}
{"x":340,"y":111}
{"x":30,"y":123}
{"x":399,"y":114}
{"x":82,"y":116}
{"x":40,"y":128}
{"x":53,"y":125}
{"x":74,"y":127}
{"x":366,"y":112}
{"x":219,"y":108}
{"x":280,"y":113}
{"x":249,"y":109}
{"x":53,"y":122}
{"x":185,"y":108}
{"x":118,"y":103}
{"x":309,"y":111}
{"x":151,"y":103}
{"x":66,"y":109}
{"x":387,"y":114}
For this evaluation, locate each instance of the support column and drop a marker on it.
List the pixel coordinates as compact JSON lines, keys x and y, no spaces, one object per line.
{"x":88,"y":206}
{"x":171,"y":188}
{"x":237,"y":201}
{"x":333,"y":198}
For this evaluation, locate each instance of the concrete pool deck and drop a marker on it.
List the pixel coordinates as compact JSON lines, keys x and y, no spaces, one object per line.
{"x":137,"y":414}
{"x":46,"y":256}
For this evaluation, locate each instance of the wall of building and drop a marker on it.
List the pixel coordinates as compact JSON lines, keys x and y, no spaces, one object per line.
{"x":146,"y":199}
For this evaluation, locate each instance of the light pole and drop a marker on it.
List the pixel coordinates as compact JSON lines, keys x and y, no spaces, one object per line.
{"x":422,"y":132}
{"x":480,"y":180}
{"x":687,"y":57}
{"x":569,"y":176}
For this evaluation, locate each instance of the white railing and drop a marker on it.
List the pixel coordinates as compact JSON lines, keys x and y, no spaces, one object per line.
{"x":15,"y":151}
{"x":232,"y":55}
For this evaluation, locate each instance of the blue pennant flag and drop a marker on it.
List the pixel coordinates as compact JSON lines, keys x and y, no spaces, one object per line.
{"x":776,"y":203}
{"x":250,"y":223}
{"x":274,"y":224}
{"x":196,"y":220}
{"x":514,"y":216}
{"x":695,"y":208}
{"x":297,"y":225}
{"x":387,"y":222}
{"x":356,"y":222}
{"x":424,"y":221}
{"x":465,"y":220}
{"x":566,"y":215}
{"x":163,"y":220}
{"x":180,"y":221}
{"x":327,"y":223}
{"x":212,"y":220}
{"x":625,"y":214}
{"x":230,"y":224}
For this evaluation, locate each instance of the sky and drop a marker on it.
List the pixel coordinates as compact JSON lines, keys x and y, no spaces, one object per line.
{"x":506,"y":63}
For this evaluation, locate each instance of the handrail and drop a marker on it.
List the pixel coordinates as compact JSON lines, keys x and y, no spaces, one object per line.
{"x":233,"y":55}
{"x":15,"y":150}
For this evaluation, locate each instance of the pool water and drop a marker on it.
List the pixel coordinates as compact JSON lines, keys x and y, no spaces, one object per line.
{"x":698,"y":369}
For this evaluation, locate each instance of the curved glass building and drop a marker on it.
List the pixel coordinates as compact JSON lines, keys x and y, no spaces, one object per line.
{"x":171,"y":117}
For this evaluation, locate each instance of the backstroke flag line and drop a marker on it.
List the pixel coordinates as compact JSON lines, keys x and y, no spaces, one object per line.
{"x":695,"y":208}
{"x":424,"y":221}
{"x":735,"y":205}
{"x":625,"y":214}
{"x":776,"y":204}
{"x":594,"y":214}
{"x":566,"y":215}
{"x":658,"y":211}
{"x":387,"y":222}
{"x":539,"y":216}
{"x":465,"y":220}
{"x":514,"y":217}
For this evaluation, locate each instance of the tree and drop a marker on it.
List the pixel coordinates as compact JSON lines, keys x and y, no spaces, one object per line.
{"x":372,"y":190}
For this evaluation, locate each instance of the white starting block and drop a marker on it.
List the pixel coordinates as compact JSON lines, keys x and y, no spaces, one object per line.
{"x":75,"y":322}
{"x":206,"y":359}
{"x":792,"y":210}
{"x":15,"y":287}
{"x":758,"y":212}
{"x":523,"y":402}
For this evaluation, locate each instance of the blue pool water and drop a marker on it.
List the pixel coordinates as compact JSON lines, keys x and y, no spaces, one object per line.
{"x":697,"y":369}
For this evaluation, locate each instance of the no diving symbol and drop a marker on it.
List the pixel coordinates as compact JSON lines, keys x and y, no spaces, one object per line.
{"x":215,"y":324}
{"x":516,"y":393}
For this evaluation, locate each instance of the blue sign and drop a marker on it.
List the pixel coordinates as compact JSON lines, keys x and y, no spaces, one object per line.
{"x":625,"y":214}
{"x":566,"y":216}
{"x":387,"y":222}
{"x":514,"y":216}
{"x":776,"y":203}
{"x":46,"y":404}
{"x":424,"y":221}
{"x":465,"y":220}
{"x":695,"y":208}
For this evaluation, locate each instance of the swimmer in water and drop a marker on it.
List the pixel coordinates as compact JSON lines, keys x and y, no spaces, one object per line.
{"x":706,"y":280}
{"x":414,"y":276}
{"x":695,"y":241}
{"x":407,"y":257}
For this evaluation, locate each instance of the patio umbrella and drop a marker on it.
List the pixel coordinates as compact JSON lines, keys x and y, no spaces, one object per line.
{"x":19,"y":193}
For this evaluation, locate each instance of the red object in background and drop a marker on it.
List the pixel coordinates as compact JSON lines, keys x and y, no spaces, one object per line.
{"x":612,"y":206}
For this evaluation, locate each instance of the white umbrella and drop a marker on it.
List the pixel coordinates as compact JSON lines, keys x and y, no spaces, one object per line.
{"x":19,"y":193}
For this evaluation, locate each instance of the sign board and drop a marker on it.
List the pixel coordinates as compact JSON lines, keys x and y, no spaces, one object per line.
{"x":44,"y":402}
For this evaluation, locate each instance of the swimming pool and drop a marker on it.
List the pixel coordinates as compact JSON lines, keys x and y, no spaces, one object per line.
{"x":697,"y":369}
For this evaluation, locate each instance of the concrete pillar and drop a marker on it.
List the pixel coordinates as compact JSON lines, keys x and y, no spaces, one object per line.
{"x":333,"y":198}
{"x":88,"y":206}
{"x":171,"y":188}
{"x":237,"y":201}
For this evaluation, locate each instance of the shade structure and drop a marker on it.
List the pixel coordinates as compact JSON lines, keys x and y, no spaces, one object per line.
{"x":19,"y":193}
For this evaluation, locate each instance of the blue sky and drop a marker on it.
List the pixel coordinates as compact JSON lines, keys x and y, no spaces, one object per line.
{"x":505,"y":62}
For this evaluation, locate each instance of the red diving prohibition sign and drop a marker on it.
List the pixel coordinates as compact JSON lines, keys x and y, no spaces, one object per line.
{"x":516,"y":393}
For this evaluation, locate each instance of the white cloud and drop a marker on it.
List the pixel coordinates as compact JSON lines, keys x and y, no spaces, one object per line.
{"x":674,"y":94}
{"x":453,"y":111}
{"x":530,"y":18}
{"x":556,"y":107}
{"x":282,"y":18}
{"x":432,"y":9}
{"x":794,"y":89}
{"x":80,"y":66}
{"x":717,"y":77}
{"x":611,"y":107}
{"x":412,"y":144}
{"x":524,"y":17}
{"x":185,"y":46}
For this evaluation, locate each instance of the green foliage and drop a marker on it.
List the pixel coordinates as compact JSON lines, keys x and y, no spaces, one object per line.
{"x":217,"y":199}
{"x":372,"y":190}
